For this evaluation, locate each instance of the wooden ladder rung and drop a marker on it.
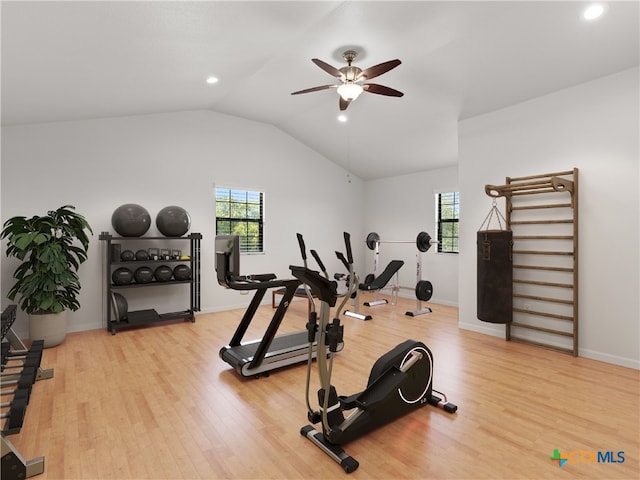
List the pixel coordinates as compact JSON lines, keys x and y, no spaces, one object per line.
{"x":540,"y":222}
{"x":543,"y":237}
{"x":542,"y":329}
{"x":543,"y":299}
{"x":533,"y":190}
{"x":534,"y":207}
{"x":542,"y":267}
{"x":540,"y":252}
{"x":543,"y":314}
{"x":540,"y":175}
{"x":544,"y":284}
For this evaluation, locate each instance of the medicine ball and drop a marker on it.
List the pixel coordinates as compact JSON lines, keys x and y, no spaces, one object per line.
{"x":131,"y":220}
{"x":122,"y":276}
{"x":163,"y":273}
{"x":120,"y":306}
{"x":142,"y":255}
{"x":127,"y":256}
{"x":173,"y":221}
{"x":143,"y":275}
{"x":182,"y":272}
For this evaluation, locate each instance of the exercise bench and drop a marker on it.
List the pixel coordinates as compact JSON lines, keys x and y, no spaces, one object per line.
{"x":381,"y":282}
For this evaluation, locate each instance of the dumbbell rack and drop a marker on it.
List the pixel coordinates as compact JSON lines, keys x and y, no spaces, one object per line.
{"x":20,"y":377}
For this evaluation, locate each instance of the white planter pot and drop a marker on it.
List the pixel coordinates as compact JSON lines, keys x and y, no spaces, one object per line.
{"x":50,"y":327}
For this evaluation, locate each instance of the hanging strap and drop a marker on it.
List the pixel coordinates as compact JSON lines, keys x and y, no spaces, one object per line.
{"x":494,"y":211}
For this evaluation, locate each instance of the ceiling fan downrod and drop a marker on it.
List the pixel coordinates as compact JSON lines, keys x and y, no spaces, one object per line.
{"x":350,"y":73}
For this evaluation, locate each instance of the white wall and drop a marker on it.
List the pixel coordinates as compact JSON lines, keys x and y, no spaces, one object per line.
{"x":398,"y":208}
{"x":159,"y":160}
{"x":175,"y":159}
{"x":593,"y":126}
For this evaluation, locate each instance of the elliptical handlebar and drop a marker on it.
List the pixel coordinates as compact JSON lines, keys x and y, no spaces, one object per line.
{"x":343,"y":260}
{"x":320,"y":264}
{"x":348,"y":261}
{"x":303,"y":249}
{"x":347,"y":243}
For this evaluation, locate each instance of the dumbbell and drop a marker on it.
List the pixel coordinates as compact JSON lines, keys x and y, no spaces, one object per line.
{"x":31,"y":359}
{"x":24,"y":381}
{"x":28,"y":358}
{"x":15,"y":414}
{"x":7,"y":353}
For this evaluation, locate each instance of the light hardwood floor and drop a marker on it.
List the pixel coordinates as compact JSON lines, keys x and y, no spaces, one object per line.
{"x":158,"y":403}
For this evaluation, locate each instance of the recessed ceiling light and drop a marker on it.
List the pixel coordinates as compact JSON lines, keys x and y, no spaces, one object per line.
{"x":593,"y":11}
{"x":342,"y":118}
{"x":212,"y":80}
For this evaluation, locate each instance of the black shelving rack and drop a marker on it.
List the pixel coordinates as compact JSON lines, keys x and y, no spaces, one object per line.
{"x":150,"y":316}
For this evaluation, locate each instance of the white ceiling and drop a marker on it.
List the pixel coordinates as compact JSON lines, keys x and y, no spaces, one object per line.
{"x":81,"y":60}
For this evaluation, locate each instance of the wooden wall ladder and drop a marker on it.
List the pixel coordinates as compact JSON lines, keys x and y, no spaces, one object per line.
{"x":544,"y":223}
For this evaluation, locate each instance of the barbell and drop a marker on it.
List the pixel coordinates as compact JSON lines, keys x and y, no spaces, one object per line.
{"x":423,"y":241}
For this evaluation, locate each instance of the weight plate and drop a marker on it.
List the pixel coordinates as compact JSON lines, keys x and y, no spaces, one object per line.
{"x":424,"y":290}
{"x":372,"y":239}
{"x":423,"y":241}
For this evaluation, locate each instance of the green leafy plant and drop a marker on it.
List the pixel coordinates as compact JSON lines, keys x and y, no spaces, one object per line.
{"x":51,"y":249}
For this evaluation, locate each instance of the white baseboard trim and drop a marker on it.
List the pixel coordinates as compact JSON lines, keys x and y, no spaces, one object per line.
{"x":498,"y":331}
{"x":608,"y":358}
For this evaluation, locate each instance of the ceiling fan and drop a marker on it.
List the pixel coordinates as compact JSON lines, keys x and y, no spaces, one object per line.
{"x":354,"y":78}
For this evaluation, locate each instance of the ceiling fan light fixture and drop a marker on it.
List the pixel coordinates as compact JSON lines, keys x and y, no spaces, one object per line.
{"x":350,"y":91}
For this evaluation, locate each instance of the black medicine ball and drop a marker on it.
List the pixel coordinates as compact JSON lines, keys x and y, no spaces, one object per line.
{"x":143,"y":275}
{"x":122,"y":276}
{"x":182,"y":272}
{"x":127,"y":256}
{"x":163,"y":273}
{"x":142,"y":255}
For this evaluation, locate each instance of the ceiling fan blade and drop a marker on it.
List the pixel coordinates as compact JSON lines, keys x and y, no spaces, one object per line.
{"x":315,"y":89}
{"x":344,"y":104}
{"x":327,"y":68}
{"x":381,"y":90}
{"x":379,"y":69}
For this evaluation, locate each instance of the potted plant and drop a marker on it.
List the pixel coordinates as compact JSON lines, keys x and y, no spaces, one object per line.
{"x":51,"y":249}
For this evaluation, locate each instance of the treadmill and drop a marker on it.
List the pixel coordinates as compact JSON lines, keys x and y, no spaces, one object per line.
{"x":258,"y":357}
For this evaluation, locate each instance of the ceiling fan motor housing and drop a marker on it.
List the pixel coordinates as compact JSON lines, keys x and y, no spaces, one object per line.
{"x":350,"y":74}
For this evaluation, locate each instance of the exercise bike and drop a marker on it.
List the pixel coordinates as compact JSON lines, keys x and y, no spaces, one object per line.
{"x":400,"y":380}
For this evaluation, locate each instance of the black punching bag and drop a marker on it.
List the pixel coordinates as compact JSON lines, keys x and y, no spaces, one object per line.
{"x":495,"y":276}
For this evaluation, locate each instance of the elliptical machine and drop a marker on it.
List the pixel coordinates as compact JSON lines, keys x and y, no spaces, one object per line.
{"x":400,"y":381}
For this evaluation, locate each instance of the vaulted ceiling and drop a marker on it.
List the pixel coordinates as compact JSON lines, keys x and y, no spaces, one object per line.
{"x":83,"y":60}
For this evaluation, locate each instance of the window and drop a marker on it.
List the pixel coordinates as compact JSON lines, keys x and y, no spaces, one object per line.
{"x":448,"y":210}
{"x":241,"y":212}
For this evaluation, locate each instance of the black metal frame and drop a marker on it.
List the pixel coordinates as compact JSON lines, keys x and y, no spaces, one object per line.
{"x":145,"y":317}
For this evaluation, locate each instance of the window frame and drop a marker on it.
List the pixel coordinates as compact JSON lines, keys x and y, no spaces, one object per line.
{"x":246,"y":246}
{"x":441,"y":222}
